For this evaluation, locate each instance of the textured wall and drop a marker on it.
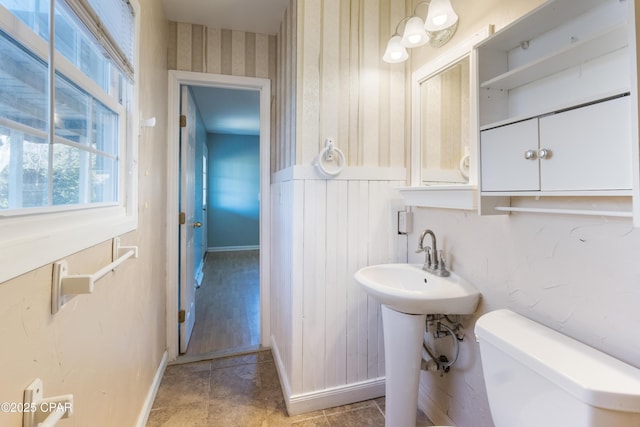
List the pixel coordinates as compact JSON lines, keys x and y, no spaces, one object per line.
{"x":577,"y":275}
{"x":104,"y":348}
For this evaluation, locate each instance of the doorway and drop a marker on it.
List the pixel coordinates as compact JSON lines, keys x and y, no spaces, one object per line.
{"x":178,"y":79}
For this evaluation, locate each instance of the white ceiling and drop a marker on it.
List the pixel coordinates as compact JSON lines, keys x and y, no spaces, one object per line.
{"x":226,"y":110}
{"x":231,"y":111}
{"x":257,"y":16}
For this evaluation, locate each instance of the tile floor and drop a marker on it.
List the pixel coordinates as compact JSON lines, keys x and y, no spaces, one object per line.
{"x":244,"y":391}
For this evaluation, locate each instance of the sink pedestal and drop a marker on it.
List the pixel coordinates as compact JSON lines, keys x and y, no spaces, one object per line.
{"x":403,"y":336}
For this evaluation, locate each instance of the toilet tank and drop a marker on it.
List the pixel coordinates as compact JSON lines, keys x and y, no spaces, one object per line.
{"x":536,"y":376}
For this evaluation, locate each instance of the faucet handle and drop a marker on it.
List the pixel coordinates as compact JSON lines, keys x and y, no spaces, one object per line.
{"x":426,"y":249}
{"x":442,"y":268}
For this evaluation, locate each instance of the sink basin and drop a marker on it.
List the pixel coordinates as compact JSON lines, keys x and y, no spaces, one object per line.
{"x":407,"y":288}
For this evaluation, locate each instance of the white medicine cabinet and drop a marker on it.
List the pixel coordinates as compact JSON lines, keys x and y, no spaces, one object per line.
{"x":558,"y":111}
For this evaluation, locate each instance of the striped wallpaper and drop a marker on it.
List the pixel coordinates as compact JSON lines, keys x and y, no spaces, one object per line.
{"x":203,"y":49}
{"x":284,"y":145}
{"x":344,"y":89}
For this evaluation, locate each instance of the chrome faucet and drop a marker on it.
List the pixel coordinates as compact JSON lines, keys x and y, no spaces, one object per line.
{"x":434,"y":259}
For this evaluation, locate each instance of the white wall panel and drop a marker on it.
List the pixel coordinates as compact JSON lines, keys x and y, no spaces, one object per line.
{"x":336,"y":329}
{"x":336,"y":284}
{"x":314,"y":285}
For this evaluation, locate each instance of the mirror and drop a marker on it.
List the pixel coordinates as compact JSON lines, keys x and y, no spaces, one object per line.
{"x":444,"y":125}
{"x":443,"y":120}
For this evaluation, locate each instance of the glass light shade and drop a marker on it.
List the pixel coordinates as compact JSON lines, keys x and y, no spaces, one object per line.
{"x":441,"y":16}
{"x":395,"y":52}
{"x":414,"y":33}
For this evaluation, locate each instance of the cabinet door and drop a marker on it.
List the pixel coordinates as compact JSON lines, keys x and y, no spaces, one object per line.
{"x":502,"y":157}
{"x":589,"y":148}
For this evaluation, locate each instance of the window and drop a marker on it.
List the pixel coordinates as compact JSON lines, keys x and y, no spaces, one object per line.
{"x":67,"y":152}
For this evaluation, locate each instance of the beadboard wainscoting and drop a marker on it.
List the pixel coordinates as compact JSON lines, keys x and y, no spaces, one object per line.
{"x":326,"y":332}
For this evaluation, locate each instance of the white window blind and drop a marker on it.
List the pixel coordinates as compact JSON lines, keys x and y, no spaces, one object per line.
{"x":112,"y":23}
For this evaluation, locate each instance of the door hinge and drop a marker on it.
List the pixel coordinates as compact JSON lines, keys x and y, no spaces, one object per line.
{"x":183,"y":121}
{"x":182,"y":218}
{"x":181,"y":316}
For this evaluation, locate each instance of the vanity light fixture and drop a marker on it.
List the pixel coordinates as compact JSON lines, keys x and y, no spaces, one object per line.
{"x":414,"y":33}
{"x":441,"y":22}
{"x":437,"y":29}
{"x":396,"y":52}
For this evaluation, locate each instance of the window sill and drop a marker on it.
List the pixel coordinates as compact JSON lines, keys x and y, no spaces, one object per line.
{"x":31,"y":242}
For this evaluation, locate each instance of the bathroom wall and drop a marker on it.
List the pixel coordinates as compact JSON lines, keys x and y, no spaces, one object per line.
{"x":577,"y":275}
{"x":233,"y":191}
{"x":326,"y":332}
{"x":104,"y":348}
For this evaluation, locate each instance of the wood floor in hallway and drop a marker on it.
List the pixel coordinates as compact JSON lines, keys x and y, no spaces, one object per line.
{"x":227,"y":305}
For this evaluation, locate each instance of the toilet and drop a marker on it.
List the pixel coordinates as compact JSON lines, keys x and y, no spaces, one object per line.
{"x":536,"y":377}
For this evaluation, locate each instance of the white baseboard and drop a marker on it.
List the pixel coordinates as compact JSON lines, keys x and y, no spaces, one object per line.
{"x":335,"y":396}
{"x":327,"y":398}
{"x":153,"y":390}
{"x":233,"y":248}
{"x":282,"y":373}
{"x":199,"y":274}
{"x":433,"y":411}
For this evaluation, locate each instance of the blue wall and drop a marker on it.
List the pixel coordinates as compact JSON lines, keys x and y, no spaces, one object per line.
{"x":233,"y":190}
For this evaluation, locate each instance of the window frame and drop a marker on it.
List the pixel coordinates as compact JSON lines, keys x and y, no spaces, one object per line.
{"x":32,"y":238}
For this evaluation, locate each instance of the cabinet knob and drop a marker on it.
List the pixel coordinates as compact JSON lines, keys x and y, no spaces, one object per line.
{"x":544,"y":153}
{"x":530,"y":154}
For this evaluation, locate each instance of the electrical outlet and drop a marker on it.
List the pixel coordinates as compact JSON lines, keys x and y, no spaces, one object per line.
{"x":405,"y":222}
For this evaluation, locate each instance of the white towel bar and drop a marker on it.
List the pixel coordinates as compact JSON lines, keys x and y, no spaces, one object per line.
{"x":41,"y":412}
{"x":623,"y":214}
{"x":64,"y":286}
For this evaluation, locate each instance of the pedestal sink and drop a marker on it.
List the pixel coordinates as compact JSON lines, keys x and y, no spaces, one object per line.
{"x":407,"y":294}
